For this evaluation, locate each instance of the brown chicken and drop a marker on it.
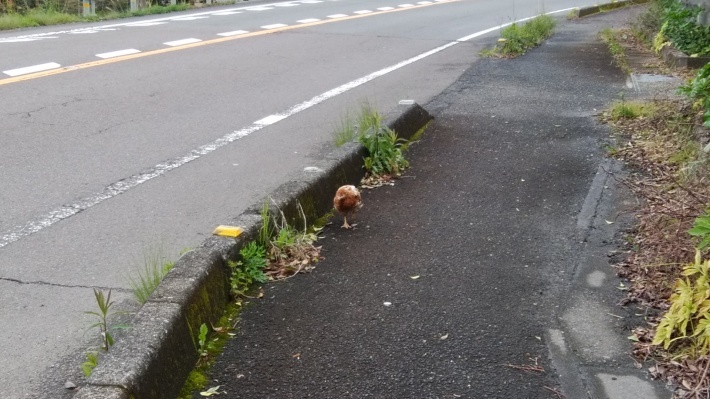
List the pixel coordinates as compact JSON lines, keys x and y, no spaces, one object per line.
{"x":347,"y":201}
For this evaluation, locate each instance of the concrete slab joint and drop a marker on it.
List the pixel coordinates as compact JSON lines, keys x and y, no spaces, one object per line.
{"x":155,"y":357}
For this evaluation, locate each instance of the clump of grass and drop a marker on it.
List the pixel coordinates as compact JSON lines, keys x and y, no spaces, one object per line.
{"x":630,"y":110}
{"x":516,"y":39}
{"x":616,"y":49}
{"x":155,"y":267}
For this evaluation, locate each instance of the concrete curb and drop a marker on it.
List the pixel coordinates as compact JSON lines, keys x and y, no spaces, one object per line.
{"x":586,"y":11}
{"x":155,"y":357}
{"x":678,"y":59}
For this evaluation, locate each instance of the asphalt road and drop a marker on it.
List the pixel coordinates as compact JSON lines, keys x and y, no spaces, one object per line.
{"x":106,"y":158}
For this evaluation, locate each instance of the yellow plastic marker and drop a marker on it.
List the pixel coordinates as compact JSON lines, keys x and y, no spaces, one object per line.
{"x":228,"y":231}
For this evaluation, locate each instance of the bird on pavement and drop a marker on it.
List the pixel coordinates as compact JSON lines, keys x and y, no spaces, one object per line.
{"x":347,"y":201}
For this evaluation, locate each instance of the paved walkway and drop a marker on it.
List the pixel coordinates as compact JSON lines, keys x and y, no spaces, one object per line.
{"x":502,"y":218}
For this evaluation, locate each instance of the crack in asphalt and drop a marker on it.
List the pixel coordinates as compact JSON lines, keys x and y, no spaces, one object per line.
{"x":39,"y":282}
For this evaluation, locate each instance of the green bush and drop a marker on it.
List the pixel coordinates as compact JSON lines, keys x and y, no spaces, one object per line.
{"x":699,"y":89}
{"x":680,"y":27}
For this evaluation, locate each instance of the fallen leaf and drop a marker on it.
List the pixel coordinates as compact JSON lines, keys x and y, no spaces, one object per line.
{"x":211,"y":391}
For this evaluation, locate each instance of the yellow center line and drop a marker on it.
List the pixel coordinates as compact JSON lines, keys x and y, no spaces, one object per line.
{"x":107,"y":61}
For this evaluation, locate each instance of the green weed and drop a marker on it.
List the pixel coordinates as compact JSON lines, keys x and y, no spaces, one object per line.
{"x":385,"y":149}
{"x":516,"y":39}
{"x":92,"y":360}
{"x":249,"y":269}
{"x":104,"y":303}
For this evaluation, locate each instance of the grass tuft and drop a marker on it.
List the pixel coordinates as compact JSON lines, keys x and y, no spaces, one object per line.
{"x":155,"y":267}
{"x":516,"y":39}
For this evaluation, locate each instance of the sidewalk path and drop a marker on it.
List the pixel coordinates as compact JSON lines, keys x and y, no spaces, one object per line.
{"x":494,"y":217}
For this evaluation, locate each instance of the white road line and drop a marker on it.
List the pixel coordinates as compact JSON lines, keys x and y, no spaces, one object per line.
{"x":259,"y":8}
{"x":273,"y":26}
{"x":233,"y":33}
{"x":147,"y":23}
{"x":19,"y":40}
{"x":385,"y":8}
{"x":270,"y":120}
{"x":287,"y":4}
{"x":311,"y":1}
{"x":424,"y":2}
{"x":362,"y":12}
{"x":182,"y":42}
{"x":406,"y":5}
{"x":188,"y":18}
{"x":84,"y":32}
{"x":227,"y":13}
{"x":118,"y":53}
{"x":32,"y":69}
{"x":307,"y":20}
{"x":337,"y":16}
{"x":121,"y":186}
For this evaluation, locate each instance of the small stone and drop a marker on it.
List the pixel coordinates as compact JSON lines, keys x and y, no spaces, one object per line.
{"x":69,"y":385}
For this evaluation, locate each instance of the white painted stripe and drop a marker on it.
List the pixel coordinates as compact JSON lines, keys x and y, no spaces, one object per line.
{"x":227,"y":13}
{"x":19,"y":40}
{"x":270,"y":120}
{"x":119,"y":187}
{"x":32,"y":69}
{"x":182,"y":42}
{"x":311,"y":1}
{"x":233,"y":33}
{"x":146,"y":23}
{"x":424,"y":2}
{"x":188,"y":18}
{"x":362,"y":12}
{"x":118,"y":53}
{"x":273,"y":26}
{"x":385,"y":8}
{"x":259,"y":8}
{"x":337,"y":16}
{"x":287,"y":4}
{"x":405,"y":5}
{"x":307,"y":20}
{"x":83,"y":32}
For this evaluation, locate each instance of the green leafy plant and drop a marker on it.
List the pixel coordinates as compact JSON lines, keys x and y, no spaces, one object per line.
{"x":249,"y":269}
{"x":616,"y":50}
{"x":154,"y":270}
{"x":92,"y":360}
{"x":266,"y":230}
{"x":698,"y":89}
{"x":385,"y":149}
{"x":202,"y":340}
{"x":681,"y":28}
{"x":701,"y":229}
{"x":685,"y":327}
{"x":104,"y":303}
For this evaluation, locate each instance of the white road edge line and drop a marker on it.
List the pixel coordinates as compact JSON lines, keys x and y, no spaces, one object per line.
{"x":31,"y":69}
{"x":182,"y":42}
{"x":121,"y":186}
{"x":118,"y":53}
{"x":307,"y":20}
{"x":233,"y":33}
{"x":337,"y":16}
{"x":273,"y":26}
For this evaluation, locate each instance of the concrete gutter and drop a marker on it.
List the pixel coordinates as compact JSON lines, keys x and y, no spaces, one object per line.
{"x":586,"y":11}
{"x":155,"y":357}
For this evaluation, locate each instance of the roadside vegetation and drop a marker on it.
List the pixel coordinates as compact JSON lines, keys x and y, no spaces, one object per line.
{"x":665,"y":142}
{"x":30,"y":13}
{"x":385,"y":160}
{"x":516,"y":39}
